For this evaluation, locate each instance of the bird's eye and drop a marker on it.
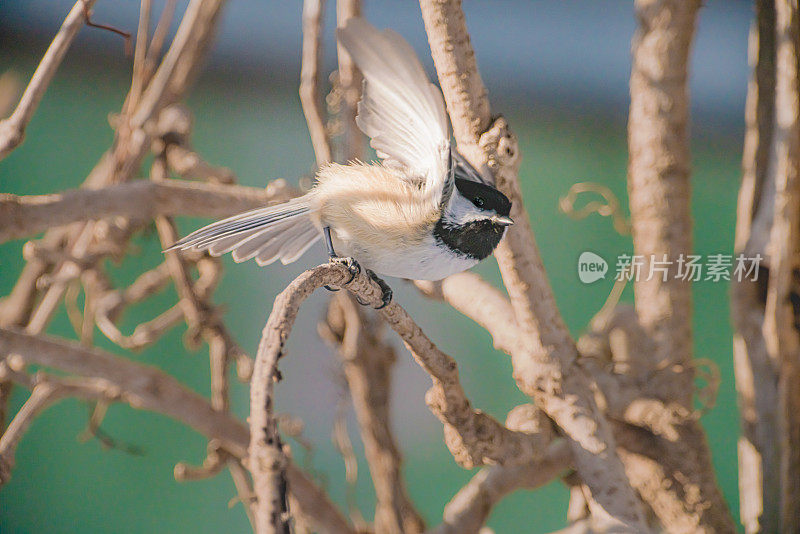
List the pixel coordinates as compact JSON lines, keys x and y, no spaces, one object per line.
{"x":478,"y":201}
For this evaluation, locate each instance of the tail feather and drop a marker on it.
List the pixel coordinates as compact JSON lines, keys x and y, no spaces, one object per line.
{"x":227,"y":244}
{"x":295,"y":248}
{"x":249,"y":247}
{"x":268,"y":253}
{"x":282,"y":232}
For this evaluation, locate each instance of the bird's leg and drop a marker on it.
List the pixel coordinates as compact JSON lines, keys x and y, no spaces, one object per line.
{"x":329,"y":242}
{"x":386,"y":296}
{"x":351,"y":264}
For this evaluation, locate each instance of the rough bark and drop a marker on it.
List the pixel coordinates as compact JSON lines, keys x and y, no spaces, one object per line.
{"x":548,"y":369}
{"x":756,"y":378}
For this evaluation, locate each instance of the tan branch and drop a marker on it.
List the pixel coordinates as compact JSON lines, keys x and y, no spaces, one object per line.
{"x":477,"y":299}
{"x":349,"y":85}
{"x":159,"y":37}
{"x":182,"y":60}
{"x":780,"y":331}
{"x":756,"y":377}
{"x":659,"y":177}
{"x":367,"y":360}
{"x":12,"y":129}
{"x":659,"y":191}
{"x":313,"y":11}
{"x":121,"y":162}
{"x":145,"y":387}
{"x":473,"y":437}
{"x":468,"y":511}
{"x":547,"y":370}
{"x":23,"y":216}
{"x":46,"y":391}
{"x":140,"y":53}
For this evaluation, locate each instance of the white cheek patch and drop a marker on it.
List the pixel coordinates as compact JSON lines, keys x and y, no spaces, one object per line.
{"x":461,"y":211}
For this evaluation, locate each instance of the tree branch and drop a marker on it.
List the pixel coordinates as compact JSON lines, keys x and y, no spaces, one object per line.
{"x":12,"y":129}
{"x":659,"y":177}
{"x":547,"y":370}
{"x":349,"y":85}
{"x":756,"y":378}
{"x":309,"y":79}
{"x":780,"y":321}
{"x":469,"y":509}
{"x":24,"y":216}
{"x":659,"y":189}
{"x":147,"y":388}
{"x":474,"y":438}
{"x":367,"y":360}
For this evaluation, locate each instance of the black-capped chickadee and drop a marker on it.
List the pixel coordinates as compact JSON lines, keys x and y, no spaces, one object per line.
{"x":422,"y":213}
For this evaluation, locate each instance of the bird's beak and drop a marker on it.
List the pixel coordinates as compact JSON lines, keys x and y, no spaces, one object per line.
{"x":502,"y":220}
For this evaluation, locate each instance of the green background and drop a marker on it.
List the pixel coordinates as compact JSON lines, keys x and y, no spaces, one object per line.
{"x":253,"y":124}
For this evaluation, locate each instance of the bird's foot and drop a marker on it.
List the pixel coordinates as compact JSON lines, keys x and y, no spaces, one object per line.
{"x":350,"y":264}
{"x":386,"y":295}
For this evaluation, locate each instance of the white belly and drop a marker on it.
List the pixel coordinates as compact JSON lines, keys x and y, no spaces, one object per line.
{"x":427,"y":261}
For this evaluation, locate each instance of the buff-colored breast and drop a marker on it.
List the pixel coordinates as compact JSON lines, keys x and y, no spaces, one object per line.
{"x":371,"y":211}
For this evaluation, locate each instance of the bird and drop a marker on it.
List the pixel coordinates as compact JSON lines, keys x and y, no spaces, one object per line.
{"x":422,"y":212}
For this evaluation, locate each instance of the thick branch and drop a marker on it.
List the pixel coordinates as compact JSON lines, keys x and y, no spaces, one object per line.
{"x":659,"y":190}
{"x":547,"y":370}
{"x":349,"y":79}
{"x":469,"y":509}
{"x":756,"y":378}
{"x":659,"y":177}
{"x":45,"y":392}
{"x":24,"y":216}
{"x":145,"y":387}
{"x":142,"y":386}
{"x":473,"y":437}
{"x":780,"y":330}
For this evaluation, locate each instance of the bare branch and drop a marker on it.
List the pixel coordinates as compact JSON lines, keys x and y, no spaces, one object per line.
{"x":547,"y":370}
{"x":141,"y":200}
{"x":468,"y":511}
{"x":367,"y":361}
{"x":780,"y":331}
{"x":473,"y":437}
{"x":142,"y":35}
{"x":46,"y":391}
{"x":147,"y":388}
{"x":142,"y":386}
{"x":159,"y":36}
{"x":309,"y":79}
{"x":659,"y":190}
{"x":349,"y":84}
{"x":12,"y":129}
{"x":756,"y":378}
{"x":182,"y":60}
{"x":659,"y":176}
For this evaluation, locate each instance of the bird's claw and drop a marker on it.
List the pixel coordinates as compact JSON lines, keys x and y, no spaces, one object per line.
{"x":386,"y":291}
{"x":350,"y":264}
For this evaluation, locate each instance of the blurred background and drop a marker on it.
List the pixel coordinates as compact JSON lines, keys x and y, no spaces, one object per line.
{"x":559,"y":72}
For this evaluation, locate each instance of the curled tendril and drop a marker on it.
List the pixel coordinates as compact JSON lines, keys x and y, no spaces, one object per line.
{"x":609,"y":208}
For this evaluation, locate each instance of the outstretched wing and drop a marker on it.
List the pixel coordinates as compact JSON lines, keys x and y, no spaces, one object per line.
{"x":401,"y":111}
{"x":464,"y":169}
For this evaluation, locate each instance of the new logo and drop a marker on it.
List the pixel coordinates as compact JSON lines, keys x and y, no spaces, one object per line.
{"x":591,"y":267}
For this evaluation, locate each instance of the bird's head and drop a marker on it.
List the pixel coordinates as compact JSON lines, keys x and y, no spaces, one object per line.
{"x":474,"y":202}
{"x":474,"y":219}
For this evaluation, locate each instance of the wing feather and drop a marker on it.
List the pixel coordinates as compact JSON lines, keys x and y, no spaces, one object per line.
{"x":401,"y":111}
